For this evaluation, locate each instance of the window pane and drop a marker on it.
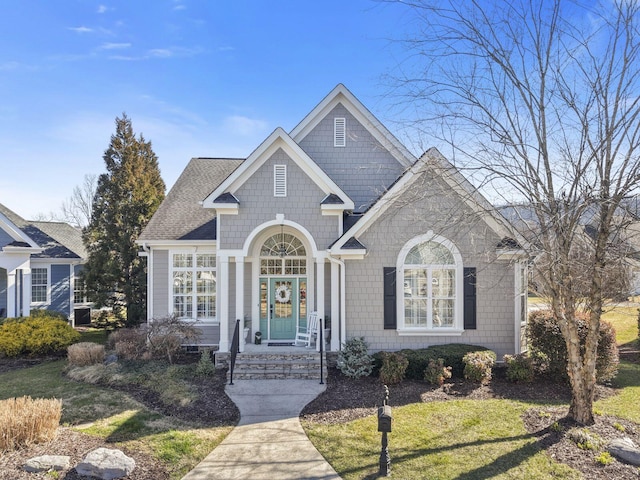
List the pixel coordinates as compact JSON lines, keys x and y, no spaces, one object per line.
{"x":443,"y":283}
{"x":415,"y":313}
{"x":182,"y":282}
{"x":39,"y":285}
{"x":442,"y":313}
{"x":415,"y":283}
{"x":429,"y":253}
{"x":206,"y":282}
{"x":206,"y":306}
{"x":205,"y":260}
{"x":182,"y":260}
{"x":182,"y":306}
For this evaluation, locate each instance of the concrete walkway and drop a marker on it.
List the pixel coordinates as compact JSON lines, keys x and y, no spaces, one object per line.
{"x":269,"y":442}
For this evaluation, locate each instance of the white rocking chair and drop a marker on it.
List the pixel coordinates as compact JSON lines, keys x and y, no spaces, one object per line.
{"x":305,"y":334}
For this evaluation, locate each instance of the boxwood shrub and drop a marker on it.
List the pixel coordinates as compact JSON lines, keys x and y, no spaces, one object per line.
{"x":545,"y":336}
{"x":40,"y":334}
{"x":451,"y":354}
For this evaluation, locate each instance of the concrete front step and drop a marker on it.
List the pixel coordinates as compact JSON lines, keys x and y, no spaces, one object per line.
{"x":278,"y":366}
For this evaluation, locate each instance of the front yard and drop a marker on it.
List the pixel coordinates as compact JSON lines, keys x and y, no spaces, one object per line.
{"x":168,"y":419}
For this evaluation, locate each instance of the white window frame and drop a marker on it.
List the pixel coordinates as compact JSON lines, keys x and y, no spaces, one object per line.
{"x":458,"y":316}
{"x":193,"y":270}
{"x":47,"y":286}
{"x":279,"y":180}
{"x":339,"y":132}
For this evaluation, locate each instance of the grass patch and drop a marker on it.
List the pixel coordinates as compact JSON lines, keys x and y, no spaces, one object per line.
{"x":463,"y":439}
{"x":625,"y":404}
{"x":625,"y":322}
{"x":95,"y":335}
{"x":116,"y":417}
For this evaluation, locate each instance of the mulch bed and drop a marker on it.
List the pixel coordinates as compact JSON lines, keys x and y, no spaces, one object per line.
{"x":344,"y":400}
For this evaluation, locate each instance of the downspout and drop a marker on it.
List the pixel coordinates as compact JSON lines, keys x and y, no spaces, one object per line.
{"x":343,"y":308}
{"x":147,"y":251}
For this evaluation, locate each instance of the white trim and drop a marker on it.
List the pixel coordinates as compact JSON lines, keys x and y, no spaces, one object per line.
{"x":260,"y":233}
{"x":458,"y":320}
{"x":18,"y":235}
{"x":319,"y":263}
{"x":222,"y":300}
{"x":47,"y":300}
{"x":240,"y":298}
{"x":341,"y":95}
{"x":519,"y":295}
{"x":277,"y":140}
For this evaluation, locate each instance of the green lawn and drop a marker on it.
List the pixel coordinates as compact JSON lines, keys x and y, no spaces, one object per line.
{"x":115,"y":416}
{"x":468,"y":439}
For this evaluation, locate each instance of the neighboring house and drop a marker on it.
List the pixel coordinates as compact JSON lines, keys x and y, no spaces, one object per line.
{"x":337,"y":217}
{"x":39,"y":267}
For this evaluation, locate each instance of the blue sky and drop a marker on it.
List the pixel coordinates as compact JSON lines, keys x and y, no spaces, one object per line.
{"x":197,"y":78}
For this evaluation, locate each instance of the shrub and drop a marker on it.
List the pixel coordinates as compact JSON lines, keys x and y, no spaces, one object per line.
{"x":519,"y":368}
{"x":25,"y":420}
{"x":85,"y":353}
{"x":128,"y":343}
{"x":394,"y":367}
{"x":477,"y":365}
{"x":166,"y":335}
{"x":354,"y":360}
{"x":107,"y":320}
{"x":40,"y":335}
{"x":545,"y":337}
{"x":452,"y":355}
{"x":205,"y":366}
{"x":436,"y":373}
{"x":585,"y":439}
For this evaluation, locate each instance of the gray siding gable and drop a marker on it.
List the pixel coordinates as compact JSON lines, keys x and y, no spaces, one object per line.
{"x":258,"y":204}
{"x":364,"y":168}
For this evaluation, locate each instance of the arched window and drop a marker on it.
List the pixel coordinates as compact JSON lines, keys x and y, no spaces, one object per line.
{"x":430,"y":275}
{"x":283,"y":254}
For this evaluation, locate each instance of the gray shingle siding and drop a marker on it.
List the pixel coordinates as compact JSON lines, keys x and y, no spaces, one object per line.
{"x":363,"y":168}
{"x":431,"y":205}
{"x":161,"y":294}
{"x":258,"y":205}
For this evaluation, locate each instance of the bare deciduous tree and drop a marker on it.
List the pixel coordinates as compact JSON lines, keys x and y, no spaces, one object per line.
{"x":76,"y":210}
{"x":540,"y":102}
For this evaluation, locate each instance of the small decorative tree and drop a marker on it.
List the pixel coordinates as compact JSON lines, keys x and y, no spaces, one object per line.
{"x":354,"y":360}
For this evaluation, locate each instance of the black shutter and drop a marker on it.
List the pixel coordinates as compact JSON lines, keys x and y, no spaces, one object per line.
{"x":469,"y":298}
{"x":390,"y":322}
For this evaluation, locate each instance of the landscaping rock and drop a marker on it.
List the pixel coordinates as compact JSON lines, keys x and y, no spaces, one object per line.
{"x":44,"y":463}
{"x":112,"y":358}
{"x":106,"y":464}
{"x":625,"y":450}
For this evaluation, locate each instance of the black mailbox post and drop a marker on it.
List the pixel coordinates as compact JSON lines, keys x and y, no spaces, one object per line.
{"x":384,"y":426}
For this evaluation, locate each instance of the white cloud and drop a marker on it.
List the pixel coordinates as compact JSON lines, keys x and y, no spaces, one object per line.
{"x":81,"y":29}
{"x":102,"y":9}
{"x":114,"y":46}
{"x":161,"y":52}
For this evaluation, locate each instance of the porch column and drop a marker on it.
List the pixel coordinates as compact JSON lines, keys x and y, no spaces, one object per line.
{"x":320,"y":295}
{"x":11,"y":293}
{"x":223,"y":303}
{"x":335,"y":306}
{"x":240,"y":298}
{"x":26,"y":292}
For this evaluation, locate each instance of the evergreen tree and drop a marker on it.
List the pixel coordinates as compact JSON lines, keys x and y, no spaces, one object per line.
{"x":126,"y":197}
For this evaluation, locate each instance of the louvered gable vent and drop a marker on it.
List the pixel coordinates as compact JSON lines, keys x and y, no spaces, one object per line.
{"x":279,"y":180}
{"x":339,"y":132}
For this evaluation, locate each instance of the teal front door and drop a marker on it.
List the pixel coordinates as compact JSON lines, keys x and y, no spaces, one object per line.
{"x":283,"y":308}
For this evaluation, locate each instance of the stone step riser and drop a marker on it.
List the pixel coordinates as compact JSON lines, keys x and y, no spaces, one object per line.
{"x":278,"y":366}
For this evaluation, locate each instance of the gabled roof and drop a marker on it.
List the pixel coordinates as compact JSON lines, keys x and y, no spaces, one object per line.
{"x":44,"y":239}
{"x":341,"y":95}
{"x":434,"y":161}
{"x":279,"y":139}
{"x":181,"y":216}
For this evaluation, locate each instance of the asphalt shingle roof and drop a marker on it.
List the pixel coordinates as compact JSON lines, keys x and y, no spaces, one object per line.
{"x":181,"y":216}
{"x":58,"y":239}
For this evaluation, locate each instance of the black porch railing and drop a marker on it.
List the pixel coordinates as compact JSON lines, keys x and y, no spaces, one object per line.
{"x":321,"y":337}
{"x":235,"y":347}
